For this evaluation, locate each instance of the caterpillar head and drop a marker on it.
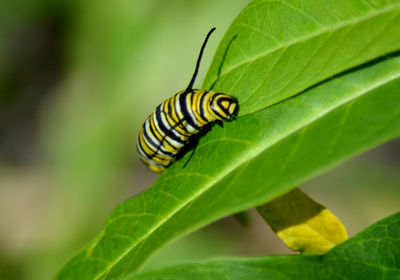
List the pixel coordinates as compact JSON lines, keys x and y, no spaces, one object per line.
{"x":224,"y":107}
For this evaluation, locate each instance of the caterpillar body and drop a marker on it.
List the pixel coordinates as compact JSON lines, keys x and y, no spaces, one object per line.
{"x":173,"y":122}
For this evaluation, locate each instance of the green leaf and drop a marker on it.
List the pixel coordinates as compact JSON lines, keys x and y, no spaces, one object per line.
{"x":275,"y":49}
{"x":246,"y":163}
{"x":263,"y":153}
{"x":372,"y":254}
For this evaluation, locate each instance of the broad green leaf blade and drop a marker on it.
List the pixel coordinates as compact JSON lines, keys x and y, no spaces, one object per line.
{"x":246,"y":163}
{"x":302,"y":223}
{"x":372,"y":254}
{"x":275,"y":49}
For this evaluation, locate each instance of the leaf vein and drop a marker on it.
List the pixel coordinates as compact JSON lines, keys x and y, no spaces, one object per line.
{"x":310,"y":36}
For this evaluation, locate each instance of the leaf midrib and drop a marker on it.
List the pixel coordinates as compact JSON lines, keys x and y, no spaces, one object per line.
{"x":310,"y":36}
{"x":252,"y":154}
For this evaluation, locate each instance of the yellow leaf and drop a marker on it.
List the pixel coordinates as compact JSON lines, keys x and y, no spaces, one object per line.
{"x":303,"y":224}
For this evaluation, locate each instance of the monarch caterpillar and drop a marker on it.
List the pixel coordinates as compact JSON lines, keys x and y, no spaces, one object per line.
{"x":170,"y":126}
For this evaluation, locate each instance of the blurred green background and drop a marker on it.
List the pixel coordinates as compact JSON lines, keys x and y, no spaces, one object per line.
{"x":77,"y":79}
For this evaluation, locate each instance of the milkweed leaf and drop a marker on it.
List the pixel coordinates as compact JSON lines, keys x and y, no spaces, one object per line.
{"x":372,"y":254}
{"x":247,"y":163}
{"x":266,"y":151}
{"x":276,"y":49}
{"x":302,"y":223}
